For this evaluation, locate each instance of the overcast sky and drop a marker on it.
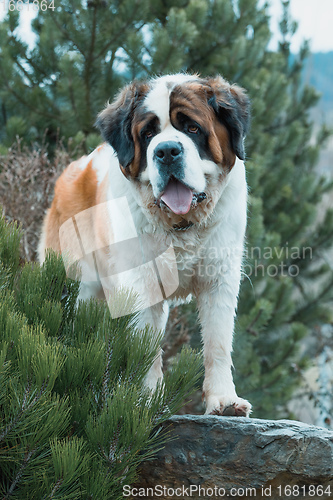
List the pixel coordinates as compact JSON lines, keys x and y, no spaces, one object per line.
{"x":315,"y":19}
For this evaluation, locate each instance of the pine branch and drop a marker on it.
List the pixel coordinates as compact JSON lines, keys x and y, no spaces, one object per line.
{"x":17,"y":417}
{"x":135,"y":60}
{"x":32,"y":108}
{"x":89,"y":61}
{"x":67,"y":36}
{"x":56,"y":487}
{"x":196,"y":63}
{"x":250,"y":327}
{"x":24,"y":71}
{"x":106,"y":376}
{"x":24,"y":408}
{"x":32,"y":63}
{"x":19,"y":473}
{"x":313,"y":303}
{"x":123,"y":29}
{"x":284,"y":124}
{"x":36,"y":67}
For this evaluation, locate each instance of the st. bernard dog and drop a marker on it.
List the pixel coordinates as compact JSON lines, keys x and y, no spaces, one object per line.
{"x":174,"y":150}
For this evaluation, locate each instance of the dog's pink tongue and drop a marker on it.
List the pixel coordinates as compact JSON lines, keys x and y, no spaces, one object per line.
{"x":178,"y":197}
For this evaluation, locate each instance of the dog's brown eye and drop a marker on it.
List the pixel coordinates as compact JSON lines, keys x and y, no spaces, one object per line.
{"x":148,"y":134}
{"x":193,"y":129}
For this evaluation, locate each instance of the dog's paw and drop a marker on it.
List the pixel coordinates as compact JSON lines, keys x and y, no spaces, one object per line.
{"x":229,"y":407}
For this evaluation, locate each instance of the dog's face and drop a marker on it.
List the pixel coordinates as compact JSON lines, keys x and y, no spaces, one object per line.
{"x":178,"y":136}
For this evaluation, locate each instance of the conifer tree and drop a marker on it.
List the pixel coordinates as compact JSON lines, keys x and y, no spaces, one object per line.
{"x":85,"y":52}
{"x":76,"y":420}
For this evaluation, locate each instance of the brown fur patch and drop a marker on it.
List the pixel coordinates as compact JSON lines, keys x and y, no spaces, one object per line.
{"x":191,"y":99}
{"x":140,"y":121}
{"x":74,"y":192}
{"x":219,"y":144}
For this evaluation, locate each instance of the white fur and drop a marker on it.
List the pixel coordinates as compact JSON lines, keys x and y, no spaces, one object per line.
{"x":194,"y":172}
{"x":158,"y":101}
{"x":105,"y":160}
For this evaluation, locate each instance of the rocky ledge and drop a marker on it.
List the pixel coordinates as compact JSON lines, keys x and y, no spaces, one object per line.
{"x":215,"y":457}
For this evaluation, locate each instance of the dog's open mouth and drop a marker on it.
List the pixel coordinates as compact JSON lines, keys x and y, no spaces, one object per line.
{"x":180,"y":198}
{"x":177,"y":196}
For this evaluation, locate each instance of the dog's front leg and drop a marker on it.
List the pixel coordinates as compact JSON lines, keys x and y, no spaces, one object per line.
{"x":156,"y":317}
{"x":216,"y":307}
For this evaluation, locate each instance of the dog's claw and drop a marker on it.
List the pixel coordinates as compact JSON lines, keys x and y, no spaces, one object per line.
{"x":233,"y":410}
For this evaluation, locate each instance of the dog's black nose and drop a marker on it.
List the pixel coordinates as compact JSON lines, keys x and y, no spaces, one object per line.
{"x":168,"y":151}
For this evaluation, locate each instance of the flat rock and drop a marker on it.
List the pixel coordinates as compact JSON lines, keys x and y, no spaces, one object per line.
{"x":216,"y":457}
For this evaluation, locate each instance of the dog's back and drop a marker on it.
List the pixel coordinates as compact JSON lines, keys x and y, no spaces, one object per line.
{"x":75,"y":191}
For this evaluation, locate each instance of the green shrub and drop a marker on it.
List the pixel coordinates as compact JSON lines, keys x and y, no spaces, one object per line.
{"x":76,"y":420}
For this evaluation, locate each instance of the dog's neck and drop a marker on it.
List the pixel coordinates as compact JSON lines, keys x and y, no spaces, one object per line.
{"x":183,"y":225}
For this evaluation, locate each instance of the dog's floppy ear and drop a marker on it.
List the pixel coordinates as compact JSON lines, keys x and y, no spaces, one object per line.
{"x":232,"y":107}
{"x":115,"y":122}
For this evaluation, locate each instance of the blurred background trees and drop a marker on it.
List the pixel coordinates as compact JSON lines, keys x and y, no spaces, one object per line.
{"x":85,"y":51}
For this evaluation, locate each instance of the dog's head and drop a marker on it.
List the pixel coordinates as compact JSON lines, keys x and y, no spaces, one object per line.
{"x":177,"y":135}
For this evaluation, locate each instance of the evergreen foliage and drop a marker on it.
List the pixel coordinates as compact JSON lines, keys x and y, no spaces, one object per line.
{"x":75,"y":419}
{"x":85,"y":51}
